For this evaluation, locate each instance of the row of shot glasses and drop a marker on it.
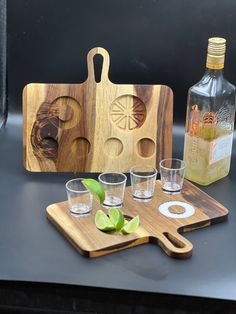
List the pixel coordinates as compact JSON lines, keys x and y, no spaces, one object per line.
{"x":142,"y":178}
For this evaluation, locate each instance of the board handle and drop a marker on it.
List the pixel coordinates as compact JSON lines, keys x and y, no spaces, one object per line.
{"x":175,"y":245}
{"x":105,"y":64}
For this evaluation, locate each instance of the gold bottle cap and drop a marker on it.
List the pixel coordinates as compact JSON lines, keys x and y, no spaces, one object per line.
{"x":216,"y":53}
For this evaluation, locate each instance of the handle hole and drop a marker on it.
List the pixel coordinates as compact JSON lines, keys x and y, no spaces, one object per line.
{"x":97,"y":63}
{"x":175,"y":241}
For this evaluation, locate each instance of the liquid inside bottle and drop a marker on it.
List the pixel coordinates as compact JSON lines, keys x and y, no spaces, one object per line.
{"x":210,"y":121}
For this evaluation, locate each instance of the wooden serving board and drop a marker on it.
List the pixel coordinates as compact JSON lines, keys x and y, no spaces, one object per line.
{"x":154,"y":226}
{"x":96,"y":126}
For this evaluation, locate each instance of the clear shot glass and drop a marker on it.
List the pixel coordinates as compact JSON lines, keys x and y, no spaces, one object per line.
{"x":114,"y":185}
{"x":143,"y":180}
{"x":172,"y":172}
{"x":79,"y":198}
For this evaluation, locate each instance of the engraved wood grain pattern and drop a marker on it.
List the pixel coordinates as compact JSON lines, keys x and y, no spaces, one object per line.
{"x":95,"y":126}
{"x":154,"y":228}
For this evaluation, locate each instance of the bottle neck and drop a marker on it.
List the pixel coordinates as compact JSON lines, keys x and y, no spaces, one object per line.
{"x":214,"y":73}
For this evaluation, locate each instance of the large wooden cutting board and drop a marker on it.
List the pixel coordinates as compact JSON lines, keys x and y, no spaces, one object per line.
{"x":96,"y":126}
{"x":154,"y":226}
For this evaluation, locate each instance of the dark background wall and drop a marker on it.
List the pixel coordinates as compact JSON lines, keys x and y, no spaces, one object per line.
{"x":149,"y":41}
{"x":3,"y":58}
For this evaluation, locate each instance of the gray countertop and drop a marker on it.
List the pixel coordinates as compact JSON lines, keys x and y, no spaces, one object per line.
{"x":33,"y":250}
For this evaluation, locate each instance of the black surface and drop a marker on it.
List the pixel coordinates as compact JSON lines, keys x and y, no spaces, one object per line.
{"x":149,"y":41}
{"x":33,"y":250}
{"x":53,"y":298}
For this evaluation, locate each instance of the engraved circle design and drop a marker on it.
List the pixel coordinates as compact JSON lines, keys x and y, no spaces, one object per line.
{"x":65,"y":113}
{"x":128,"y":112}
{"x":146,"y":147}
{"x":113,"y":147}
{"x":165,"y":210}
{"x":68,"y":110}
{"x":80,"y":147}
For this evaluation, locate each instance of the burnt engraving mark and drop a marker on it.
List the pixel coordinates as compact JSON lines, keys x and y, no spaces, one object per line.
{"x":44,"y":135}
{"x":62,"y":113}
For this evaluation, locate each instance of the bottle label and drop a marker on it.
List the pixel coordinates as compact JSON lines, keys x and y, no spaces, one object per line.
{"x":220,"y":148}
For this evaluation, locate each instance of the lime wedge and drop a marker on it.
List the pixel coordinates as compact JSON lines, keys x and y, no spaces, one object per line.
{"x":102,"y":222}
{"x":116,"y":218}
{"x":95,"y":188}
{"x":131,"y":226}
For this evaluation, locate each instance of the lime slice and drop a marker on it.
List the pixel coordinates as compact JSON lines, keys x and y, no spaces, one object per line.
{"x":95,"y":188}
{"x":116,"y":217}
{"x":131,"y":226}
{"x":102,"y":222}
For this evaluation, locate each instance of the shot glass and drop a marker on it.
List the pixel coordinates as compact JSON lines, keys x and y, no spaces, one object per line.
{"x":114,"y":186}
{"x":79,"y":198}
{"x":172,"y":172}
{"x":143,"y":179}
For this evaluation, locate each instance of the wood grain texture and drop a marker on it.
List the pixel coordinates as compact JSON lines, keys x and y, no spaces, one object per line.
{"x":96,"y":126}
{"x":154,"y":227}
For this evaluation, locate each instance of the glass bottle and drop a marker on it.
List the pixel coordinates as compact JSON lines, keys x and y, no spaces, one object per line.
{"x":210,"y":120}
